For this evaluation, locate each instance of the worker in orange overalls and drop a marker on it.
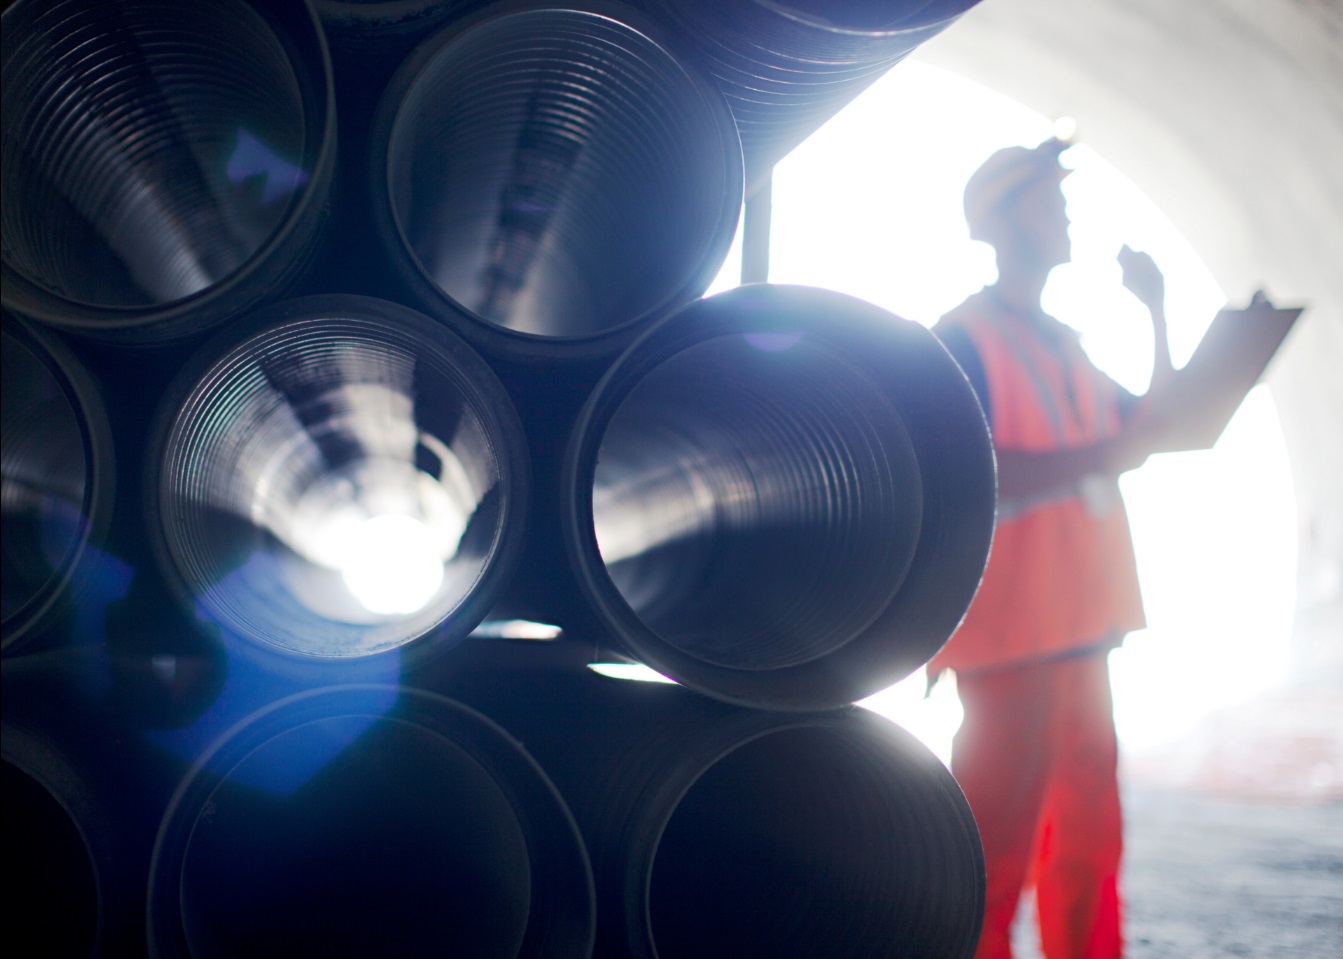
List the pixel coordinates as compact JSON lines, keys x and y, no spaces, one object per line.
{"x":1036,"y":754}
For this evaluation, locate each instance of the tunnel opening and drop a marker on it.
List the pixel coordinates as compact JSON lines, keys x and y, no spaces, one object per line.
{"x":1215,"y":532}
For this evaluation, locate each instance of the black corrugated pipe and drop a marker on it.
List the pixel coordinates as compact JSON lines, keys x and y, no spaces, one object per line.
{"x":362,"y":821}
{"x":165,"y":165}
{"x":787,"y":66}
{"x":379,"y":25}
{"x":338,"y":478}
{"x":781,"y":496}
{"x":65,"y":884}
{"x":368,"y":41}
{"x":57,"y":490}
{"x":716,"y":831}
{"x":551,"y":179}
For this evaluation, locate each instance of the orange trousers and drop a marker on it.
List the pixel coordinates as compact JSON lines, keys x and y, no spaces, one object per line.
{"x":1037,"y":758}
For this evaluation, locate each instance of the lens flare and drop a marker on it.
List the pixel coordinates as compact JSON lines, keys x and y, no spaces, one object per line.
{"x":773,"y":342}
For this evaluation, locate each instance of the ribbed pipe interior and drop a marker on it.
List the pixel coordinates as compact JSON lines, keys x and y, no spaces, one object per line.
{"x":287,"y":457}
{"x":44,"y":481}
{"x":818,"y":841}
{"x":46,"y":861}
{"x":402,"y":845}
{"x":557,"y":173}
{"x":756,"y":500}
{"x":150,"y":146}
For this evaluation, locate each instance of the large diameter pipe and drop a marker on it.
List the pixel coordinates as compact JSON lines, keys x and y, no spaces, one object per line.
{"x":165,"y":165}
{"x":787,"y":67}
{"x":551,"y":179}
{"x":368,"y":821}
{"x":379,"y":24}
{"x":337,"y":480}
{"x":56,"y":478}
{"x":51,"y":902}
{"x":63,"y":881}
{"x":781,"y":496}
{"x":716,"y":831}
{"x":368,"y":42}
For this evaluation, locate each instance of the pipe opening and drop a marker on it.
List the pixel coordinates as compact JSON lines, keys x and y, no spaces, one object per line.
{"x":402,"y":845}
{"x":46,"y":481}
{"x":342,"y":482}
{"x":558,"y":173}
{"x":818,"y":841}
{"x":150,"y":147}
{"x":51,"y":898}
{"x":756,"y":500}
{"x":781,"y":496}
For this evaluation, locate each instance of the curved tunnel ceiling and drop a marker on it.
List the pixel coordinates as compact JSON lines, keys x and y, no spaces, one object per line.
{"x":1229,"y":115}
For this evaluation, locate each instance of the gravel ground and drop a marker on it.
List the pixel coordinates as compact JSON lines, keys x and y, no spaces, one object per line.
{"x":1209,"y":878}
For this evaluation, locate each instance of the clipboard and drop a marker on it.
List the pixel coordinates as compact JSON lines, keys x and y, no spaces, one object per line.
{"x":1204,"y":394}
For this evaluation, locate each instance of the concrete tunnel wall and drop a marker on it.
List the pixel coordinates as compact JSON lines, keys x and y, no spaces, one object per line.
{"x":1229,"y":115}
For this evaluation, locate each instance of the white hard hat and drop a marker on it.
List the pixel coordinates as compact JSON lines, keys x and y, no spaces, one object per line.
{"x":1003,"y":174}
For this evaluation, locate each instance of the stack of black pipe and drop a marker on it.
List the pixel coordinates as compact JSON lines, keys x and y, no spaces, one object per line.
{"x":359,"y":396}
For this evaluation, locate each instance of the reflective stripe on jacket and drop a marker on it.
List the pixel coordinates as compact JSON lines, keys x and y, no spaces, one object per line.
{"x":1061,"y":574}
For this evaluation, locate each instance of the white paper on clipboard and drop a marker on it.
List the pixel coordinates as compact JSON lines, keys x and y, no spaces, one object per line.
{"x":1207,"y":391}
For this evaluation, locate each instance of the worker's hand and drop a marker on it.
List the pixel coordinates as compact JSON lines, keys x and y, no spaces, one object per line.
{"x":1126,"y":451}
{"x":1143,"y":279}
{"x":1140,"y":436}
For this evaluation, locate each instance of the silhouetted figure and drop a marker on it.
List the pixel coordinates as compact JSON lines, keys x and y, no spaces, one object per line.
{"x":1037,"y":754}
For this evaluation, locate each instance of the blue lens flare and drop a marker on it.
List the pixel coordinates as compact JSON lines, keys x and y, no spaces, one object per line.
{"x":252,"y":158}
{"x":773,"y":342}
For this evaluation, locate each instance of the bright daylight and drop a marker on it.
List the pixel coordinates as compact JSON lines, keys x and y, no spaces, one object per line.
{"x":871,"y":206}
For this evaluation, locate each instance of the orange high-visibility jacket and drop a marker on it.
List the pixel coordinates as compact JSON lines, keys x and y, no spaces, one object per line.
{"x":1061,"y":574}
